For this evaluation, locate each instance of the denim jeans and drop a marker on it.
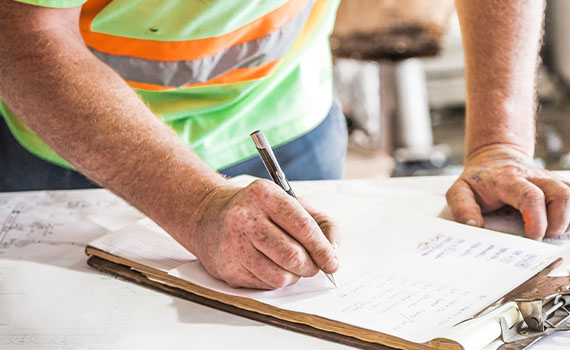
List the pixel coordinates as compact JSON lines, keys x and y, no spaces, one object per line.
{"x":319,"y":154}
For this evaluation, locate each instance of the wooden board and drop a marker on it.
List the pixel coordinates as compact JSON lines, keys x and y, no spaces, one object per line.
{"x":293,"y":320}
{"x":126,"y":273}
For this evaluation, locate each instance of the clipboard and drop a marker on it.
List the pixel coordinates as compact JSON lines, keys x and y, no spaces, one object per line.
{"x":540,"y":300}
{"x":126,"y":273}
{"x":420,"y":242}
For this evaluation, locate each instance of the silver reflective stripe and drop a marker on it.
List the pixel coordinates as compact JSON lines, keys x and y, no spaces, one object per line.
{"x":180,"y":73}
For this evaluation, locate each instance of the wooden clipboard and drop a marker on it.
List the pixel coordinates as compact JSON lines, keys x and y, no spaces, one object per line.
{"x":128,"y":274}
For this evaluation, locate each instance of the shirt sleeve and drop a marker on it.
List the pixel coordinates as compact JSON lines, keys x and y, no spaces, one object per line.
{"x":54,"y":3}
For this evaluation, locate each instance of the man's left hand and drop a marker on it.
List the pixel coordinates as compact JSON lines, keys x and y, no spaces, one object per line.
{"x":499,"y":175}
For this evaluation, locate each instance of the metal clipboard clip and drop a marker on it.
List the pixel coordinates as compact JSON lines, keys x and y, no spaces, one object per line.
{"x":544,"y":303}
{"x":540,"y":320}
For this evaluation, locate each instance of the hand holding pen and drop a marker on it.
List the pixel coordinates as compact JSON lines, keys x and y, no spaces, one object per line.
{"x":257,"y":236}
{"x":274,"y":170}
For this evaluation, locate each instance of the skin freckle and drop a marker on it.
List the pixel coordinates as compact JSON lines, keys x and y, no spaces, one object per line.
{"x":262,"y":236}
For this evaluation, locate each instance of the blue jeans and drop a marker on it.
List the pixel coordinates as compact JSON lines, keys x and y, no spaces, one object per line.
{"x":319,"y":154}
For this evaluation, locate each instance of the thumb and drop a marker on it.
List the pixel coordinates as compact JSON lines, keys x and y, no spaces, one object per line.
{"x":464,"y":207}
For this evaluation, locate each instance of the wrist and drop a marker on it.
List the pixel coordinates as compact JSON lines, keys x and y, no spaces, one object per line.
{"x":476,"y":145}
{"x":496,"y":117}
{"x":497,"y":132}
{"x":497,"y":152}
{"x":174,"y":202}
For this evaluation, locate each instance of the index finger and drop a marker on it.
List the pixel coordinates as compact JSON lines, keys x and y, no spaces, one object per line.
{"x":464,"y":207}
{"x":287,"y":213}
{"x":330,"y":227}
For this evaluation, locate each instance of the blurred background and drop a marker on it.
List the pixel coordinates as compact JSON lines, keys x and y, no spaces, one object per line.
{"x":399,"y":76}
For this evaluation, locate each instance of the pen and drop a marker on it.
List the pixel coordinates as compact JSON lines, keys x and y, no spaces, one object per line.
{"x":273,"y":168}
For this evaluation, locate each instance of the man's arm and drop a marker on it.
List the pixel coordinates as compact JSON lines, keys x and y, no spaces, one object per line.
{"x":501,"y":40}
{"x":253,"y":237}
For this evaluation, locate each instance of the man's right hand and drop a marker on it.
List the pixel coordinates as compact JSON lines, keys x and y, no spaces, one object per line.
{"x":260,"y":237}
{"x":253,"y":237}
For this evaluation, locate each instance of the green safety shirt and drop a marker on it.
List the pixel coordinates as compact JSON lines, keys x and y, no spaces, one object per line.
{"x":214,"y":71}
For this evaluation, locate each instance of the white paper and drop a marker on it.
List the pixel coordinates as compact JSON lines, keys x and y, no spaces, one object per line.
{"x":146,"y":244}
{"x":50,"y":298}
{"x":412,"y":278}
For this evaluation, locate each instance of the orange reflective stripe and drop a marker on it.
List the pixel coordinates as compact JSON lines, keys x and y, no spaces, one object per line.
{"x":89,"y":10}
{"x":234,"y":76}
{"x":317,"y":14}
{"x":187,"y":49}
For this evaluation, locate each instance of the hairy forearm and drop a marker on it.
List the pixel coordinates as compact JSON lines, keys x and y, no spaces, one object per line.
{"x":90,"y":117}
{"x":501,"y":40}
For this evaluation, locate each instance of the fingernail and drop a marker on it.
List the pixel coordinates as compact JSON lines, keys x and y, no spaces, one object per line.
{"x":471,"y":222}
{"x":335,"y":246}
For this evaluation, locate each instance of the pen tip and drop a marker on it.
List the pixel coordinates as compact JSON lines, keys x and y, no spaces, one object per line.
{"x":332,"y":279}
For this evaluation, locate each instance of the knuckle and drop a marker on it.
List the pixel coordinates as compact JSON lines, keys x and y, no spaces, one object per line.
{"x":280,"y":280}
{"x":307,"y":228}
{"x":294,"y":259}
{"x":323,"y":257}
{"x":261,"y":187}
{"x":531,"y":195}
{"x":562,"y":196}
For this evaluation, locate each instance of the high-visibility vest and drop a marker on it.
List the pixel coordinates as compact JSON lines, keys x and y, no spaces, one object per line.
{"x":213,"y":70}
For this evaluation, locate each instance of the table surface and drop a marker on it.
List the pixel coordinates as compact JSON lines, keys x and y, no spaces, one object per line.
{"x":51,"y":299}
